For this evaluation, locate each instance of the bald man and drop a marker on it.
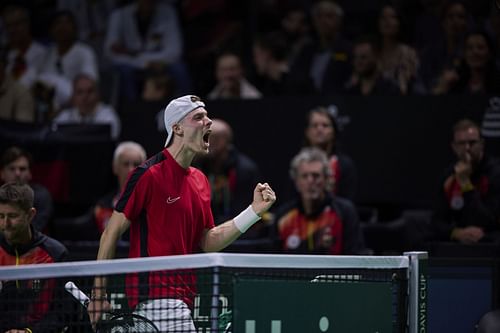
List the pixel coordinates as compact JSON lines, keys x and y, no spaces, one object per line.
{"x":231,"y":174}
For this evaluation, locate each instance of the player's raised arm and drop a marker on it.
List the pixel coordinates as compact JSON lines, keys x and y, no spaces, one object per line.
{"x":219,"y":237}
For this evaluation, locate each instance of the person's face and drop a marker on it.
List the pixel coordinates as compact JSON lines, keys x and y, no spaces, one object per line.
{"x":14,"y":223}
{"x":477,"y":52}
{"x":320,"y":131}
{"x":63,"y":29}
{"x":455,"y":19}
{"x":127,"y":161}
{"x":17,"y":171}
{"x":388,"y":22}
{"x":467,"y":144}
{"x":311,"y":181}
{"x":85,"y":95}
{"x":294,"y":23}
{"x":364,"y":60}
{"x":195,"y":131}
{"x":326,"y":21}
{"x":229,"y":71}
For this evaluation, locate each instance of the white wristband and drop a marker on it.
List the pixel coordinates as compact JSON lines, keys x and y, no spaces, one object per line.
{"x":246,"y":219}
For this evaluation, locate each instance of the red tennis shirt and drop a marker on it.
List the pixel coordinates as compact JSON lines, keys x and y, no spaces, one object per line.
{"x":169,"y":209}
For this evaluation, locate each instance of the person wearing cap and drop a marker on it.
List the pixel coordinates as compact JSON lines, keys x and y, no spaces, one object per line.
{"x":166,"y":204}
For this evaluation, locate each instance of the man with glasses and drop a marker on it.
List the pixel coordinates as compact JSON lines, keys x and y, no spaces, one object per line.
{"x":468,"y":207}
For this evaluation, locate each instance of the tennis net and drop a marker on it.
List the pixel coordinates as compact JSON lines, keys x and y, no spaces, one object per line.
{"x":222,"y":292}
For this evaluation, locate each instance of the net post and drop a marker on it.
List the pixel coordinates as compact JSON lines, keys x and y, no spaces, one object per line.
{"x":214,"y":308}
{"x":417,"y":307}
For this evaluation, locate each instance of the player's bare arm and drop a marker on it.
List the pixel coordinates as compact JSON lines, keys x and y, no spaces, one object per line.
{"x":117,"y":225}
{"x":219,"y":237}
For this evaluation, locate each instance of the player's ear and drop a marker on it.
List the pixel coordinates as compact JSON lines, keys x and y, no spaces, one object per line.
{"x":178,"y":129}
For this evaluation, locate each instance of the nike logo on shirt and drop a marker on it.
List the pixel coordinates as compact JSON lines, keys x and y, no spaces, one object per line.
{"x":172,"y":200}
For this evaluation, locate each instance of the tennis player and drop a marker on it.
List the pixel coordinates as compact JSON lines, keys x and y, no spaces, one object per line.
{"x":166,"y":205}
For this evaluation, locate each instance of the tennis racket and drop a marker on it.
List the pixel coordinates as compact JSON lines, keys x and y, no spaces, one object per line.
{"x":113,"y":321}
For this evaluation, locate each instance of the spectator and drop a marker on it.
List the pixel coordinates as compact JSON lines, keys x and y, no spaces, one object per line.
{"x":322,"y":132}
{"x":67,"y":58}
{"x":209,"y":27}
{"x":398,"y":61}
{"x":490,"y":127}
{"x":428,"y":22}
{"x":477,"y":73}
{"x":127,"y":156}
{"x":231,"y":80}
{"x":231,"y":173}
{"x":492,"y":27}
{"x":366,"y":78}
{"x":25,"y":56}
{"x":270,"y":55}
{"x":316,"y":222}
{"x":87,"y":108}
{"x":295,"y":25}
{"x":27,"y":305}
{"x":447,"y":49}
{"x":91,"y":18}
{"x":16,"y":102}
{"x":468,"y":207}
{"x":145,"y":35}
{"x":16,"y":166}
{"x":326,"y":59}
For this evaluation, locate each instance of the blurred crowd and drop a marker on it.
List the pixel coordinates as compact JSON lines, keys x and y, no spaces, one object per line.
{"x":61,"y":60}
{"x":78,"y":62}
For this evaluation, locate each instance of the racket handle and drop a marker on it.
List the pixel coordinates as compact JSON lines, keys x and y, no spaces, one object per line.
{"x":79,"y":295}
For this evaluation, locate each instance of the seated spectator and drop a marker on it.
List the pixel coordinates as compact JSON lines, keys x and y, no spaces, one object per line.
{"x":231,"y":80}
{"x":492,"y":28}
{"x":16,"y":102}
{"x":366,"y":78}
{"x":446,"y":48}
{"x":145,"y":35}
{"x":87,"y":108}
{"x":322,"y":131}
{"x":468,"y":206}
{"x":326,"y":59}
{"x":28,"y":305}
{"x":316,"y":222}
{"x":295,"y":26}
{"x":25,"y":56}
{"x":208,"y":28}
{"x":490,"y":127}
{"x":398,"y":61}
{"x":66,"y":59}
{"x":127,"y":156}
{"x":230,"y":173}
{"x":15,"y":166}
{"x":270,"y":55}
{"x":477,"y":74}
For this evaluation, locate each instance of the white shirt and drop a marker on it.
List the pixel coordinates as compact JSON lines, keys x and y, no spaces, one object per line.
{"x":103,"y":114}
{"x":247,"y":91}
{"x":59,"y":71}
{"x":34,"y":58}
{"x":163,"y":41}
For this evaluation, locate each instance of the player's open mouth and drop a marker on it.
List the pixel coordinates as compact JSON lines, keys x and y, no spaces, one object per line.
{"x":206,"y":136}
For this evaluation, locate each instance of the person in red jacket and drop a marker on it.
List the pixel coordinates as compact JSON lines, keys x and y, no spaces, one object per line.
{"x":31,"y":305}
